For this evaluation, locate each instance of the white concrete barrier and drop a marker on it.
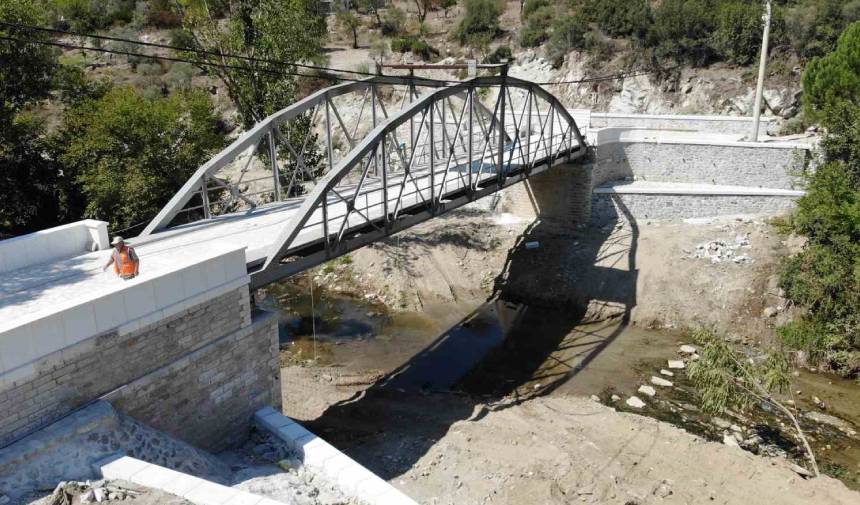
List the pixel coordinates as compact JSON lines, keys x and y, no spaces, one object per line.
{"x":197,"y":275}
{"x":194,"y":489}
{"x":53,"y":244}
{"x":353,"y":479}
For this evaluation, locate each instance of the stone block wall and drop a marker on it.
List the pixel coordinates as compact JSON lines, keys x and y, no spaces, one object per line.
{"x":611,"y":208}
{"x":733,"y":165}
{"x":207,"y":397}
{"x":65,"y":380}
{"x":559,"y":196}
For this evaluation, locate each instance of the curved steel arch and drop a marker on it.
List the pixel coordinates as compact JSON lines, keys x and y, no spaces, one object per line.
{"x":267,"y":129}
{"x":329,"y":224}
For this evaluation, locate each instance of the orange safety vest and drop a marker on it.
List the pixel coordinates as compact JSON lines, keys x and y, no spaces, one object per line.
{"x":125,"y":262}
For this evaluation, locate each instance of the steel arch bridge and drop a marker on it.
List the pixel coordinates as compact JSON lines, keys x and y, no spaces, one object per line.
{"x":299,"y":189}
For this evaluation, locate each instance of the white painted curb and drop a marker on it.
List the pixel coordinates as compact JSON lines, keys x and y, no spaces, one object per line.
{"x":317,"y":454}
{"x":193,"y":489}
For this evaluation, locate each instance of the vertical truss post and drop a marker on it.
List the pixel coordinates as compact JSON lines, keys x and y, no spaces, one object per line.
{"x":273,"y":154}
{"x":384,"y":185}
{"x":551,"y":152}
{"x":373,"y":99}
{"x":432,"y":159}
{"x":444,"y":130}
{"x":528,"y":131}
{"x":328,"y":135}
{"x":204,"y":188}
{"x":411,"y":91}
{"x":502,"y":91}
{"x":325,"y":225}
{"x":470,"y":97}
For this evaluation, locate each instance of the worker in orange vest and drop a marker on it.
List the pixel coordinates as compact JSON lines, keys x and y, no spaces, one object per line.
{"x":124,"y":260}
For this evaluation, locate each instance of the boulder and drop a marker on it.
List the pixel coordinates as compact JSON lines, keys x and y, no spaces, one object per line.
{"x":635,"y":402}
{"x":647,"y":390}
{"x":676,"y":364}
{"x":659,"y":381}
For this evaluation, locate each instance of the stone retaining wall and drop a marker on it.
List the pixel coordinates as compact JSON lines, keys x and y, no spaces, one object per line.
{"x":65,"y":380}
{"x":208,"y":397}
{"x":611,"y":208}
{"x":735,"y":165}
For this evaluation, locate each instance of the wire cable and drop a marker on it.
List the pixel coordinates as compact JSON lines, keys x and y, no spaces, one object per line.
{"x":612,"y":77}
{"x":183,"y":49}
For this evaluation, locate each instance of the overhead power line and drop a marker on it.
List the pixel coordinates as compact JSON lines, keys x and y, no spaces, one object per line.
{"x":180,"y":48}
{"x":326,"y":72}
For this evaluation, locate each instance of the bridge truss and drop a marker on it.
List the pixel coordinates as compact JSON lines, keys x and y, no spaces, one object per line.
{"x":343,"y":170}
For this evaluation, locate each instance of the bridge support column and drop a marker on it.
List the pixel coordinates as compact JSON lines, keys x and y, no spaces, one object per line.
{"x":560,"y":198}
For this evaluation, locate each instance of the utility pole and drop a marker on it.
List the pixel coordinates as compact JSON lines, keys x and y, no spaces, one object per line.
{"x":761,"y":69}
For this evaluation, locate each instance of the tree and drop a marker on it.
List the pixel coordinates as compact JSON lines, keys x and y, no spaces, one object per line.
{"x":282,"y":30}
{"x":26,"y":68}
{"x":130,"y":154}
{"x":349,"y":23}
{"x":834,"y":80}
{"x":480,"y":24}
{"x":738,"y":32}
{"x":423,"y":7}
{"x":727,"y":381}
{"x":29,"y":181}
{"x":568,"y":33}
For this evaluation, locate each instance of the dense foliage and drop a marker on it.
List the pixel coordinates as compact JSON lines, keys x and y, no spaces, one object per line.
{"x":480,"y":23}
{"x":695,"y":32}
{"x":825,"y":277}
{"x":130,"y":153}
{"x":831,"y":81}
{"x":280,"y":30}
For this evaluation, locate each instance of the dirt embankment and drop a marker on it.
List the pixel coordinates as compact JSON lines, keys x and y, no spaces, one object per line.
{"x":720,"y":272}
{"x":445,"y":449}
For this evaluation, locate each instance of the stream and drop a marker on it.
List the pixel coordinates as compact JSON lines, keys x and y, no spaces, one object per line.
{"x":504,"y":349}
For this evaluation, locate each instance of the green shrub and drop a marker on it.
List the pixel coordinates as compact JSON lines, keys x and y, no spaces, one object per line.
{"x":824,"y":278}
{"x":533,"y":5}
{"x":536,"y":30}
{"x":179,"y":77}
{"x":682,"y":30}
{"x":815,"y":25}
{"x":568,"y":34}
{"x":480,"y":24}
{"x":393,"y":23}
{"x":500,"y":54}
{"x":414,"y":45}
{"x":619,"y":18}
{"x":737,"y":37}
{"x":89,"y":15}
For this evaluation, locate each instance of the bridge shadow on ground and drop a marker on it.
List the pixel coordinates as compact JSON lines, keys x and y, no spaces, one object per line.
{"x":541,"y":300}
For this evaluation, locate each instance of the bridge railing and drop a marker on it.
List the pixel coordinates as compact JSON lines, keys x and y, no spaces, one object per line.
{"x":438,"y":153}
{"x":282,"y":157}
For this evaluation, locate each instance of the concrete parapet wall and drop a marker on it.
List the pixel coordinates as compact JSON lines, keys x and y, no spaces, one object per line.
{"x":714,"y":124}
{"x":52,"y":244}
{"x":27,"y":337}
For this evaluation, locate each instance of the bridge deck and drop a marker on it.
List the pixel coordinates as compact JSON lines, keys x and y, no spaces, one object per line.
{"x":46,"y":286}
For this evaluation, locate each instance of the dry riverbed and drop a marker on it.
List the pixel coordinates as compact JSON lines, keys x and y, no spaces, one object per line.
{"x":457,"y":399}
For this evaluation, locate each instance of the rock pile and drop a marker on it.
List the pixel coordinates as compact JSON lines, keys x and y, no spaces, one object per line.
{"x":719,"y":251}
